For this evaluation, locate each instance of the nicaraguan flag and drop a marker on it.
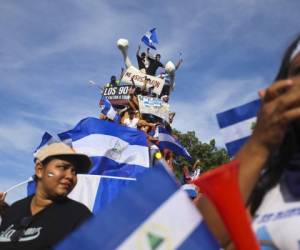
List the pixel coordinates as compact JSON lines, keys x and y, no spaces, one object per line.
{"x":145,"y":216}
{"x":150,"y":38}
{"x":94,"y":191}
{"x":114,"y":149}
{"x":166,"y":140}
{"x":237,"y":124}
{"x":108,"y":110}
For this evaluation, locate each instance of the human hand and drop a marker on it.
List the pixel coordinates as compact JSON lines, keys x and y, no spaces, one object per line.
{"x":2,"y":196}
{"x":280,"y":107}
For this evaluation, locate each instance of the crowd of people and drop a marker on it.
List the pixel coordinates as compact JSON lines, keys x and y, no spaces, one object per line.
{"x":130,"y":114}
{"x":269,"y":176}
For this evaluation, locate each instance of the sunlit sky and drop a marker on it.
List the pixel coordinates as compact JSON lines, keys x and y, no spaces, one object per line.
{"x":51,"y":49}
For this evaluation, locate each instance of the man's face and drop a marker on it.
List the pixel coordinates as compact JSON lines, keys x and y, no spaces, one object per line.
{"x":143,"y":55}
{"x":157,"y":57}
{"x":57,"y":178}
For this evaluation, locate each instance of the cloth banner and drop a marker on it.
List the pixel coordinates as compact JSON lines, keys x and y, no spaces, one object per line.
{"x":154,"y":106}
{"x":139,"y":77}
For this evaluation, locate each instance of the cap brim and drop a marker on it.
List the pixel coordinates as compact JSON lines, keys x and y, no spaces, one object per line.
{"x":82,"y":161}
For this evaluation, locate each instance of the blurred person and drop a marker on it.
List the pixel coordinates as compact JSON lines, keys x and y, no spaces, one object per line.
{"x":269,"y":171}
{"x":154,"y":64}
{"x":132,"y":120}
{"x":43,"y":219}
{"x":3,"y":205}
{"x":142,"y":60}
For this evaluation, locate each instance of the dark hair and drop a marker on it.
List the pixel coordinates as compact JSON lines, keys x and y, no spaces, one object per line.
{"x":288,"y":147}
{"x":3,"y":207}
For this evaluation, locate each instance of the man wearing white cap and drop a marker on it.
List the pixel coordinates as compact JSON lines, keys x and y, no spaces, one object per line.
{"x":43,"y":219}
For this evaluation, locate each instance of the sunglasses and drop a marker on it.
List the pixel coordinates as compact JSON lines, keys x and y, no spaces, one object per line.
{"x":20,"y":229}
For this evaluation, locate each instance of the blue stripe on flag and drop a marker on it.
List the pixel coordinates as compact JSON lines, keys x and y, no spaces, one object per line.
{"x":238,"y":114}
{"x":234,"y":146}
{"x":125,"y":214}
{"x":108,"y":190}
{"x":107,"y":166}
{"x":172,"y":144}
{"x":200,"y":239}
{"x":92,"y":125}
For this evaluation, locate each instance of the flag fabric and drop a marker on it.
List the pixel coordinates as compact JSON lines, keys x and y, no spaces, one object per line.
{"x":96,"y":191}
{"x":114,"y":149}
{"x":166,"y":140}
{"x":237,"y":124}
{"x":48,"y":139}
{"x":108,"y":110}
{"x":151,"y":213}
{"x":150,"y":38}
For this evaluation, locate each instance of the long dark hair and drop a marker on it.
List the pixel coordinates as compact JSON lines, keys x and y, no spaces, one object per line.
{"x":289,"y":146}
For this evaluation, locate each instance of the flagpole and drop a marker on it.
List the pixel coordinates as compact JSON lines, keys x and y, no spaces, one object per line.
{"x":18,"y":185}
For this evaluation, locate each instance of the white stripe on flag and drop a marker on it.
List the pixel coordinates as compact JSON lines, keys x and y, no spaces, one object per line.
{"x":86,"y":189}
{"x":238,"y":130}
{"x":113,"y":148}
{"x":169,"y":138}
{"x":111,"y":114}
{"x":173,"y":222}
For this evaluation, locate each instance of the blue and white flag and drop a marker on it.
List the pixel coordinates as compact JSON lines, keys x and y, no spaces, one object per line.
{"x":114,"y":149}
{"x":94,"y":191}
{"x":150,"y":38}
{"x":166,"y":140}
{"x":108,"y":110}
{"x":237,"y":124}
{"x":151,"y":213}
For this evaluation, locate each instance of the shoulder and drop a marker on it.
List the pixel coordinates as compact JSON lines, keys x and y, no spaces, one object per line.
{"x":72,"y":205}
{"x":72,"y":210}
{"x":20,"y":204}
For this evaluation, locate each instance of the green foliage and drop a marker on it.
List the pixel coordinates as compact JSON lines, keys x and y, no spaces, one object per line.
{"x":207,"y":153}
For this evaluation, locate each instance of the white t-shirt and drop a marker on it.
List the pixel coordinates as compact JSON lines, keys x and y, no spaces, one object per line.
{"x":131,"y":123}
{"x":277,"y":222}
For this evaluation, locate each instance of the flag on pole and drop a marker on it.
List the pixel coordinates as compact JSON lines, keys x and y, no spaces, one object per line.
{"x":166,"y":140}
{"x":150,"y":38}
{"x":108,"y":110}
{"x":237,"y":124}
{"x":145,"y":216}
{"x":114,"y":149}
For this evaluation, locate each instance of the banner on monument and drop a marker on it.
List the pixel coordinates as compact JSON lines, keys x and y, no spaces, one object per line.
{"x":117,"y":95}
{"x":154,"y":106}
{"x":139,"y":79}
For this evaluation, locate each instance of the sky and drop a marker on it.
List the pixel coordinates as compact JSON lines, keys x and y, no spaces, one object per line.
{"x":50,"y":50}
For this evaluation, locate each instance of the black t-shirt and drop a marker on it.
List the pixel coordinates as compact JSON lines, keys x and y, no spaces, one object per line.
{"x":153,"y":66}
{"x":44,"y":229}
{"x":141,"y":62}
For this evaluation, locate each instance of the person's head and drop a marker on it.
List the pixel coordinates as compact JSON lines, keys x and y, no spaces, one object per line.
{"x":131,"y":114}
{"x":143,"y":55}
{"x":56,"y":168}
{"x":157,"y":57}
{"x":290,"y":58}
{"x":113,"y":79}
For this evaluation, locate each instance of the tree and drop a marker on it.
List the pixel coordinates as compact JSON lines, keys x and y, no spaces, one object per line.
{"x":207,"y":153}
